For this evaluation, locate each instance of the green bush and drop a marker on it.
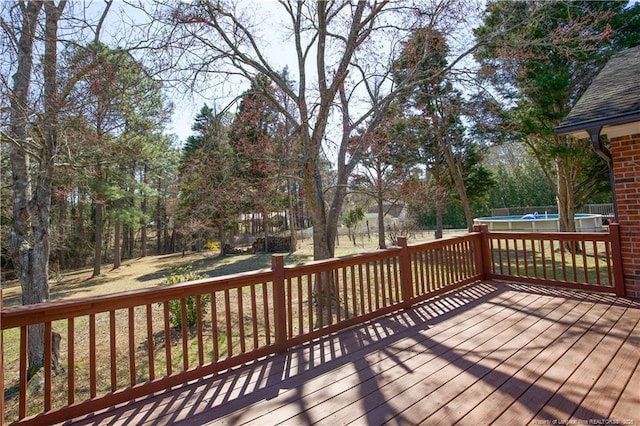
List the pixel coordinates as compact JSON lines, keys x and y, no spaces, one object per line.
{"x":178,"y":275}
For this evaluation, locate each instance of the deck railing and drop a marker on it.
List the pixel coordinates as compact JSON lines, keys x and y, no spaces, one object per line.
{"x":118,"y":347}
{"x":583,"y":261}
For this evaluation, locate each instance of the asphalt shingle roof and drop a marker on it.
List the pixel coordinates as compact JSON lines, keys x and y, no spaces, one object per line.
{"x":612,"y":98}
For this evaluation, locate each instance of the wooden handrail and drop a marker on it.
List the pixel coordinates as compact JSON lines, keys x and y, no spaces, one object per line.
{"x":63,"y":309}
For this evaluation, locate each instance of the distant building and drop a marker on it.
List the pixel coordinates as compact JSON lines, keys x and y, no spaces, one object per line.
{"x":395,"y":215}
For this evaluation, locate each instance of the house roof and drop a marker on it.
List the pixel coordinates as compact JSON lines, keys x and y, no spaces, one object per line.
{"x":611,"y":102}
{"x":390,"y":210}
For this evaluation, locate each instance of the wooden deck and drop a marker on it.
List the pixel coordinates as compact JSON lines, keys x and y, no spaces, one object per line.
{"x":487,"y":353}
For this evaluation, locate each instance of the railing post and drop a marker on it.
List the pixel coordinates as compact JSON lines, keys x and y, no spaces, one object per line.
{"x":1,"y":365}
{"x":279,"y":305}
{"x":483,"y":258}
{"x":616,"y":254}
{"x":405,"y":273}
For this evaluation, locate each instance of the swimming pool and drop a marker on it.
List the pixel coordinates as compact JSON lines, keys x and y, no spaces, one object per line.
{"x":539,"y":223}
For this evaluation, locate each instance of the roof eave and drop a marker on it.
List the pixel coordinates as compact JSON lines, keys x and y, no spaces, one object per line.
{"x":580,"y":129}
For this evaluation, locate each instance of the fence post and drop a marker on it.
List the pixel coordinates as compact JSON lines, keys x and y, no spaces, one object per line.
{"x":483,"y":258}
{"x":405,"y":273}
{"x":279,"y":305}
{"x":616,"y":254}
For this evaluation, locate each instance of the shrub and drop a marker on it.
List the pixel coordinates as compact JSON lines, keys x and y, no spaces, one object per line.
{"x":212,"y":245}
{"x":178,"y":275}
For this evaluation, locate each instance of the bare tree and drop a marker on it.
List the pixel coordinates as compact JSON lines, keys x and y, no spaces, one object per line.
{"x":342,"y":54}
{"x":33,"y":275}
{"x":34,"y":135}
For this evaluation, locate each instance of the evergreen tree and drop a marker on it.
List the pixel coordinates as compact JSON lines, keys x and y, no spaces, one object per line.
{"x":443,"y":146}
{"x":211,"y":195}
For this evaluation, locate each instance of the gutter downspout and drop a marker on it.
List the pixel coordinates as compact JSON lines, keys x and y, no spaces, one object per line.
{"x":602,"y":151}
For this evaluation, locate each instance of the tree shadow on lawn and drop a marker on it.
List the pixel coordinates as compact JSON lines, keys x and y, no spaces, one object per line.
{"x":223,"y":265}
{"x":213,"y":266}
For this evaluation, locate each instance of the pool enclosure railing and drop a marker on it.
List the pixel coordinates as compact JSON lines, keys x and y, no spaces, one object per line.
{"x":114,"y":348}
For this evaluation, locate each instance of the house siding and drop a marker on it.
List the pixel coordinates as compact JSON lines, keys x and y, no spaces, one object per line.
{"x":626,"y":176}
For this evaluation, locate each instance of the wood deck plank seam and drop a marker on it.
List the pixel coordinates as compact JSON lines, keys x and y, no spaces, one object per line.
{"x":588,"y":372}
{"x":438,"y":357}
{"x":517,"y":412}
{"x":600,"y":392}
{"x":516,"y":383}
{"x":485,"y":385}
{"x":629,"y":404}
{"x":472,"y":363}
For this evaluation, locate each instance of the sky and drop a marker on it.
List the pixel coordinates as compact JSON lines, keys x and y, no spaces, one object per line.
{"x":271,"y":19}
{"x":187,"y":106}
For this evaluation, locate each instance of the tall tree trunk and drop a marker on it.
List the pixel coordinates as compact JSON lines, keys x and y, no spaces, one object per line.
{"x":174,"y":237}
{"x":566,"y":201}
{"x":131,"y":242}
{"x":159,"y":221}
{"x":61,"y":251}
{"x":116,"y":244}
{"x":97,"y":243}
{"x":456,"y":174}
{"x":321,"y":247}
{"x":144,"y":207}
{"x":124,"y":251}
{"x":381,"y":236}
{"x":292,"y":218}
{"x":143,"y":240}
{"x":29,"y":241}
{"x":20,"y":245}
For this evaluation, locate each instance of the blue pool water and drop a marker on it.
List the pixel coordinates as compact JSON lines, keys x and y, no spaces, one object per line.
{"x":537,"y":222}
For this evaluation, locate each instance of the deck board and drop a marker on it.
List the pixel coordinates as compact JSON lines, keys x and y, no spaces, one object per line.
{"x":576,"y":388}
{"x":458,"y":370}
{"x":388,"y":384}
{"x":627,"y":406}
{"x":489,"y":352}
{"x":517,"y":383}
{"x":536,"y":398}
{"x":613,"y":380}
{"x":505,"y":362}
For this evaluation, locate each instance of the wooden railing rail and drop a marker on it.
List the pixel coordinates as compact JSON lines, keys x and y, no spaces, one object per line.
{"x":118,"y":347}
{"x":584,"y":261}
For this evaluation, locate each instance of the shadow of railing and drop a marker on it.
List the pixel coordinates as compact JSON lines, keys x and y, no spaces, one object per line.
{"x":443,"y":339}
